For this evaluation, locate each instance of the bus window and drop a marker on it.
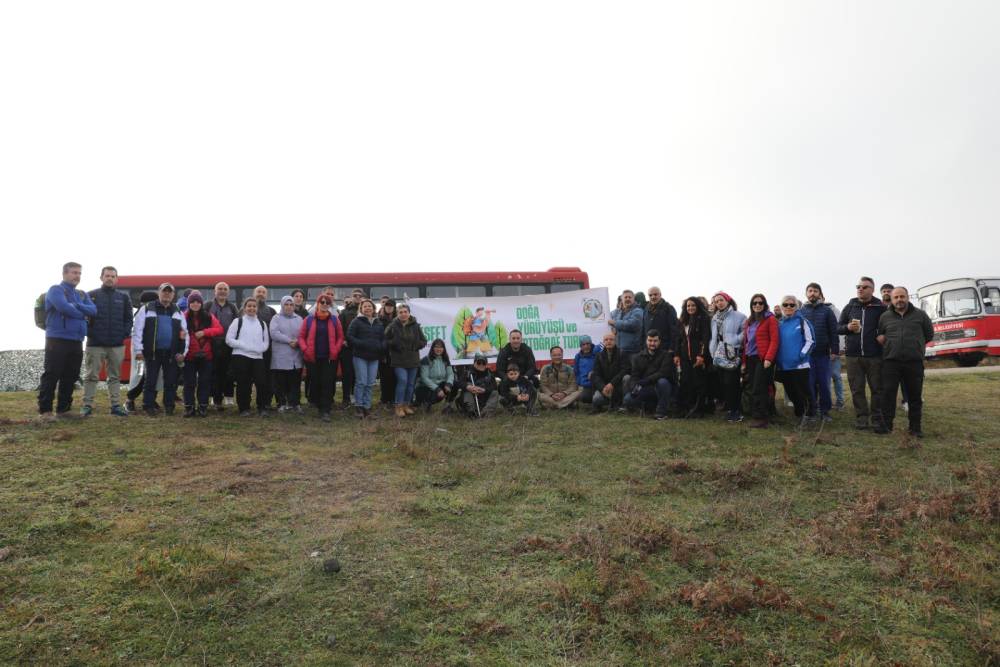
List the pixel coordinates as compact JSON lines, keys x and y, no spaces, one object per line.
{"x":395,"y":291}
{"x":929,"y":304}
{"x":994,"y":296}
{"x":565,"y":287}
{"x":438,"y":291}
{"x":960,"y":302}
{"x":517,"y":290}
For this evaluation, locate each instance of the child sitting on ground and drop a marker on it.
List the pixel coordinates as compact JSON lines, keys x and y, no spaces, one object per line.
{"x":517,"y":392}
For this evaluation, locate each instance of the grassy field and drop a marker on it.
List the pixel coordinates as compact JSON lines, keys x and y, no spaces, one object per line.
{"x":569,"y":539}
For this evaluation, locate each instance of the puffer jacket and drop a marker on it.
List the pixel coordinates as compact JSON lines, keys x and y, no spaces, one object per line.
{"x":307,"y":338}
{"x":366,"y":338}
{"x":797,"y":342}
{"x":113,"y":322}
{"x":765,"y":338}
{"x":825,"y":325}
{"x":209,"y":326}
{"x":726,"y":344}
{"x":433,"y":372}
{"x":583,"y":364}
{"x":405,"y":342}
{"x":524,"y":357}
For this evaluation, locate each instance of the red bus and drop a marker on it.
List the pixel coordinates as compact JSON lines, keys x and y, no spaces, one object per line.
{"x":375,"y":285}
{"x":966,"y":317}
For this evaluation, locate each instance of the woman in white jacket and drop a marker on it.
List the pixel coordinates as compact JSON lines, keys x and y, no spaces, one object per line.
{"x":726,"y":348}
{"x":249,"y":338}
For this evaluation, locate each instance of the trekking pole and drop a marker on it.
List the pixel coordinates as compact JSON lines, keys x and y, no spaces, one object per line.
{"x":478,"y":412}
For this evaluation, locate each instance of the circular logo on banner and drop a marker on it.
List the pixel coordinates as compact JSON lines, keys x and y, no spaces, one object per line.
{"x":593,"y":309}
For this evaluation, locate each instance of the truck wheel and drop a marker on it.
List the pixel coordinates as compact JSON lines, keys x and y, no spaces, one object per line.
{"x":969,"y":360}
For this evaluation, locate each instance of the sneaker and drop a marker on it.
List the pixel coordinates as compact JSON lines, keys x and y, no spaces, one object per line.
{"x":325,"y":417}
{"x":881,"y":430}
{"x":298,"y":410}
{"x":151,"y":412}
{"x":119,"y":411}
{"x":203,"y":411}
{"x":246,"y":413}
{"x":86,"y":411}
{"x":169,"y":411}
{"x":188,"y":412}
{"x":916,"y":433}
{"x":46,"y":417}
{"x":906,"y":407}
{"x":827,"y":418}
{"x":229,"y":401}
{"x":130,"y":405}
{"x":264,"y":413}
{"x":661,"y":418}
{"x":839,"y":405}
{"x":758,"y":423}
{"x":807,"y":421}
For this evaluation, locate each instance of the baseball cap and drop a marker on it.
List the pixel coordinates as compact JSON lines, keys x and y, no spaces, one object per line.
{"x":166,"y":286}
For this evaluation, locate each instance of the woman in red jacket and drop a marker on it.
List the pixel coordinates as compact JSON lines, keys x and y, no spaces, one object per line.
{"x":202,"y":327}
{"x":761,"y":336}
{"x":320,"y":339}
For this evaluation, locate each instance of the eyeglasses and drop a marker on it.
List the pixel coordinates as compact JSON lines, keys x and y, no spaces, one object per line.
{"x":324,"y":302}
{"x":865,"y":286}
{"x":789,"y":305}
{"x":756,"y":303}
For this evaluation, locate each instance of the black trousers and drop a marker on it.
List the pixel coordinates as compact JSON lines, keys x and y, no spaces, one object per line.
{"x":796,"y":388}
{"x":909,"y":375}
{"x":249,"y":372}
{"x":323,"y":384}
{"x":387,"y":383}
{"x":426,"y":396}
{"x":346,"y":374}
{"x":693,"y":390}
{"x":761,"y":381}
{"x":286,"y":384}
{"x":197,"y":375}
{"x":63,"y":359}
{"x":729,"y":386}
{"x":222,"y":381}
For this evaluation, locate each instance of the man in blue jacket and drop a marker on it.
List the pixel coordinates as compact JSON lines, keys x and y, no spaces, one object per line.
{"x":627,"y":323}
{"x":827,"y":349}
{"x":106,"y":341}
{"x":66,"y":313}
{"x":583,"y":366}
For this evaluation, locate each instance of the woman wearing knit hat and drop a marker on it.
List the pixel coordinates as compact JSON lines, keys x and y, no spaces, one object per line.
{"x":286,"y":357}
{"x":726,"y":348}
{"x":202,"y":327}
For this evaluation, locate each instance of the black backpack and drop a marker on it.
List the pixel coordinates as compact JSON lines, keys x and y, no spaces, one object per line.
{"x":40,"y":313}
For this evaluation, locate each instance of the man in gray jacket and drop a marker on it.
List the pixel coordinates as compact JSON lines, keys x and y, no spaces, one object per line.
{"x":903,"y":332}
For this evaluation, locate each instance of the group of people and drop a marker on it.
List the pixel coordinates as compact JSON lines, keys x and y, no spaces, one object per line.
{"x":650,"y":361}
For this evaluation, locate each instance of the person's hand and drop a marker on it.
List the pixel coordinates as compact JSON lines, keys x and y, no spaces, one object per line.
{"x":184,"y":334}
{"x":699,"y":362}
{"x":199,"y":334}
{"x":743,"y":369}
{"x":138,"y":356}
{"x":767,"y":364}
{"x":523,"y":397}
{"x":294,"y":344}
{"x":880,"y":339}
{"x":559,"y":395}
{"x":178,"y":358}
{"x":854,"y":326}
{"x":607,"y":389}
{"x":833,"y":356}
{"x":440,"y":393}
{"x":677,"y":361}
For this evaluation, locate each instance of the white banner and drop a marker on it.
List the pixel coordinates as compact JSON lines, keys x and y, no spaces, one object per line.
{"x":483,"y":324}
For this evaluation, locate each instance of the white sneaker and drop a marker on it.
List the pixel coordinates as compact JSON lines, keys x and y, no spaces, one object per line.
{"x":906,"y":407}
{"x":228,"y":400}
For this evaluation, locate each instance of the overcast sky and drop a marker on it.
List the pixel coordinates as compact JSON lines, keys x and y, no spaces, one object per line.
{"x":745,"y":146}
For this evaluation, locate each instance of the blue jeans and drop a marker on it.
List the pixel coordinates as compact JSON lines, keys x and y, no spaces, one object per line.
{"x":819,"y":384}
{"x":838,"y":381}
{"x":364,"y":379}
{"x":406,"y":378}
{"x":659,"y":394}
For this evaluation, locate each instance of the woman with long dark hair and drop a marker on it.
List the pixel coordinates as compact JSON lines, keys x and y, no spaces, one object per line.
{"x":436,"y":377}
{"x":759,"y":353}
{"x":387,"y":379}
{"x":693,"y":358}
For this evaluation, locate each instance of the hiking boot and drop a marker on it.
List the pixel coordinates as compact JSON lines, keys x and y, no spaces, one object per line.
{"x":130,"y":405}
{"x":246,"y":413}
{"x":46,"y":417}
{"x":408,"y":409}
{"x":86,"y":411}
{"x":400,"y":411}
{"x":169,"y":411}
{"x":881,"y":429}
{"x":916,"y":433}
{"x":360,"y":413}
{"x":325,"y":417}
{"x":188,"y":412}
{"x":827,"y":418}
{"x":202,"y":410}
{"x":265,"y":413}
{"x":151,"y":412}
{"x":119,"y":411}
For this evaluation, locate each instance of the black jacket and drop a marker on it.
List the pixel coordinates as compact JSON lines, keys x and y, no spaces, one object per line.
{"x":524,"y":358}
{"x":695,"y":342}
{"x":906,"y":335}
{"x":663,"y":318}
{"x":405,"y":343}
{"x":113,"y":322}
{"x":862,"y":344}
{"x":347,"y":316}
{"x":484,"y":379}
{"x":608,"y":367}
{"x":647,"y":368}
{"x":367,"y":339}
{"x":522,"y":386}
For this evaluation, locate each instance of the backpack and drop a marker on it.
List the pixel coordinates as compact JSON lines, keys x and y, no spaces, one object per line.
{"x":40,"y":310}
{"x":239,"y":328}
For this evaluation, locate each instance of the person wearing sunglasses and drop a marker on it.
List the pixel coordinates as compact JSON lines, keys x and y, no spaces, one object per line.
{"x":796,"y":342}
{"x":759,"y":354}
{"x":858,"y":323}
{"x":321,"y":339}
{"x":726,"y":348}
